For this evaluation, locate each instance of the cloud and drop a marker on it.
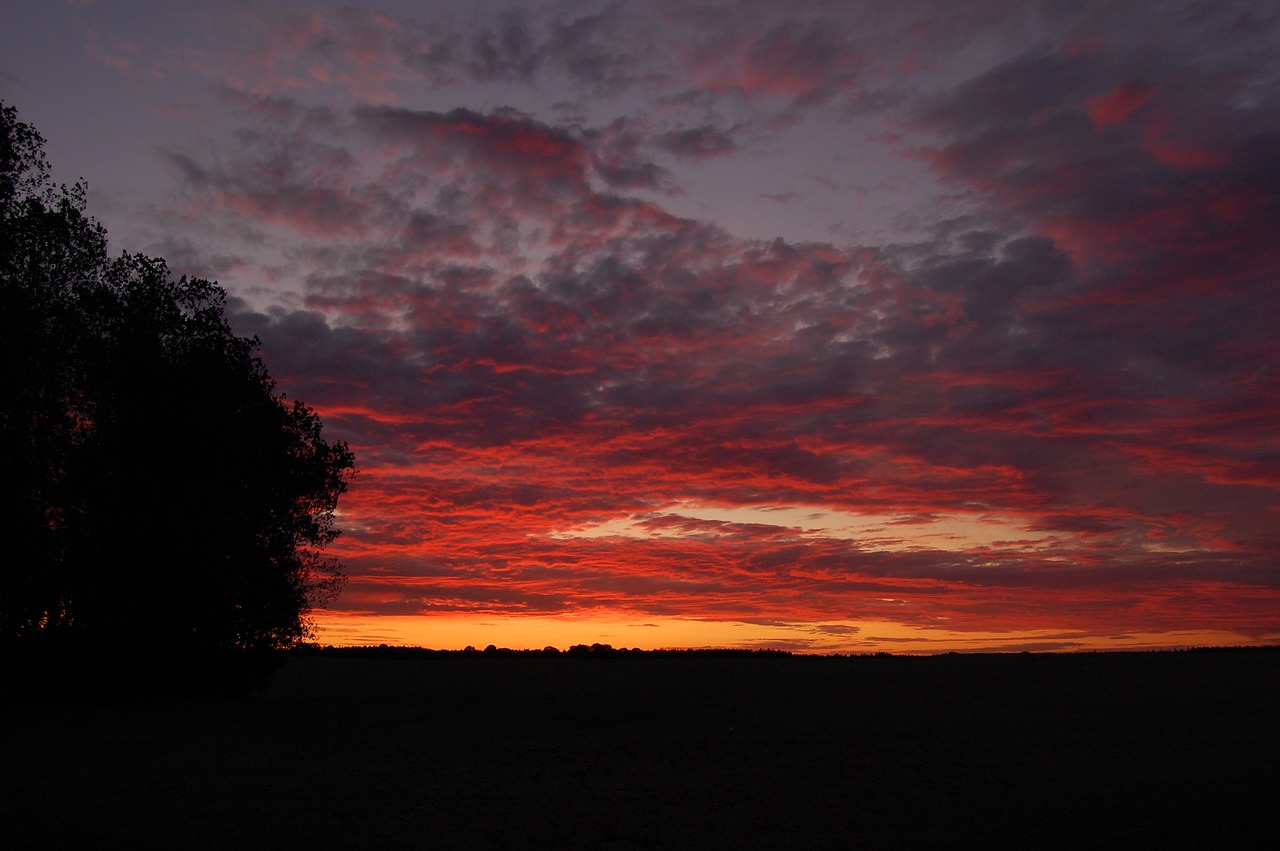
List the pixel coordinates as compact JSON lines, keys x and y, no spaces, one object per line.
{"x":504,"y":50}
{"x":1121,"y":102}
{"x":701,"y":142}
{"x":799,"y":60}
{"x":1051,"y":409}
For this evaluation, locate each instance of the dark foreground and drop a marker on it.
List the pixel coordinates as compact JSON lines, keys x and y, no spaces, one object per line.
{"x":1144,"y":750}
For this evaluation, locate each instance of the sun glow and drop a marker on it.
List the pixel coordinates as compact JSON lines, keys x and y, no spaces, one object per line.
{"x":456,"y":632}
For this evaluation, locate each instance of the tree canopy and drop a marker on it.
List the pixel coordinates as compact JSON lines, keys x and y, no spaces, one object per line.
{"x":164,"y":508}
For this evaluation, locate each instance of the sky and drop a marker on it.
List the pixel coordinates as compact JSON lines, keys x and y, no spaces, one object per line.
{"x":819,"y":326}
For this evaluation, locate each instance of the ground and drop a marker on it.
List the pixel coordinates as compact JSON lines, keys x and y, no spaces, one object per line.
{"x":683,"y":751}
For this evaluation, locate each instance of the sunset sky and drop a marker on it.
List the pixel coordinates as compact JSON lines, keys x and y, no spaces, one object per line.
{"x":822,"y":326}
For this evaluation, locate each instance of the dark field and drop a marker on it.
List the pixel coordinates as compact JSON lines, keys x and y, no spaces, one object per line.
{"x":693,"y":751}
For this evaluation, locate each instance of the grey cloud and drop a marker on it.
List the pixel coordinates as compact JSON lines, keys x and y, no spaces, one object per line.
{"x":505,"y":51}
{"x":701,"y":142}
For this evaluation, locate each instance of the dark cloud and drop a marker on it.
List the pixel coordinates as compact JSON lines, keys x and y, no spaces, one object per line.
{"x":619,"y":159}
{"x":506,"y":50}
{"x":697,"y":142}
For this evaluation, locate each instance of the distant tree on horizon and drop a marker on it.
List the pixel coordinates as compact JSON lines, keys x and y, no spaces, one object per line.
{"x":163,"y":508}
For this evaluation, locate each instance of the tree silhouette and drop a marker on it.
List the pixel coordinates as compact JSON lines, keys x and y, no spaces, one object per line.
{"x":163,"y":507}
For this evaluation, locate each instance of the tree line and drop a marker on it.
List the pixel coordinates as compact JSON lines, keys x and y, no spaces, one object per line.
{"x":163,"y":507}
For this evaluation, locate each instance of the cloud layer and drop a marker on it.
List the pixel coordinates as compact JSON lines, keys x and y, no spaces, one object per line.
{"x":1051,"y":405}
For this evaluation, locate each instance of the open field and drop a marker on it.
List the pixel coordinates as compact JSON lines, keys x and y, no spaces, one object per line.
{"x":694,"y":751}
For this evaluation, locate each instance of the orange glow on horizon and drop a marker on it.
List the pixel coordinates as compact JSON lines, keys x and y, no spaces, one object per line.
{"x":456,"y":632}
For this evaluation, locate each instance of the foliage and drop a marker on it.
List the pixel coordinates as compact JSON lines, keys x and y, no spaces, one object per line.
{"x":161,"y":502}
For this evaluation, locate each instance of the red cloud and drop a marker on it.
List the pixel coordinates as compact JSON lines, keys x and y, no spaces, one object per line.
{"x":1121,"y":102}
{"x":539,"y":375}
